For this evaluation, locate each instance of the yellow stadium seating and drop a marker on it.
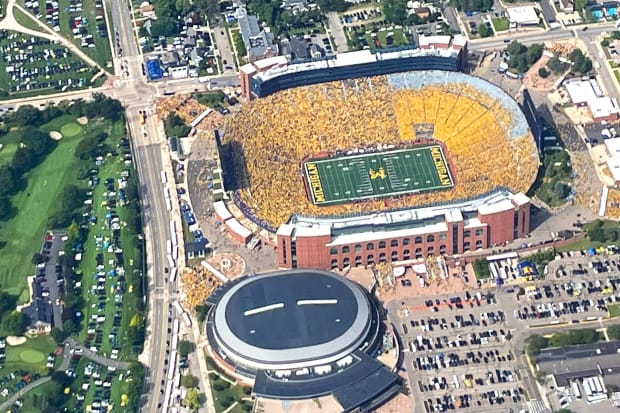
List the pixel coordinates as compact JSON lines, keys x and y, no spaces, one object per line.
{"x":277,"y":132}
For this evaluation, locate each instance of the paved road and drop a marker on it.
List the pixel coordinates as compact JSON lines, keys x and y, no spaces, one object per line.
{"x":336,"y":30}
{"x":588,"y":37}
{"x":224,"y":48}
{"x":71,"y":344}
{"x":9,"y":402}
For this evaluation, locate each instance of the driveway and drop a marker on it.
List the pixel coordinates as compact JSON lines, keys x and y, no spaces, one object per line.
{"x":224,"y":48}
{"x":336,"y":30}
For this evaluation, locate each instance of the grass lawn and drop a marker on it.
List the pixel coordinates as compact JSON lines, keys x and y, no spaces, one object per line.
{"x":23,"y":233}
{"x":213,"y":99}
{"x":28,"y":358}
{"x":500,"y":24}
{"x":47,"y":75}
{"x":614,"y":310}
{"x":397,"y":37}
{"x":34,"y":400}
{"x":617,"y":75}
{"x":581,"y":245}
{"x":111,"y":168}
{"x":552,"y":185}
{"x":10,"y":143}
{"x":101,"y":53}
{"x":25,"y":20}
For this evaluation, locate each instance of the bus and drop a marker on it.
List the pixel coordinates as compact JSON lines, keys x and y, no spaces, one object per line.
{"x":168,"y":247}
{"x":171,"y":262}
{"x":175,"y":339}
{"x":173,"y":274}
{"x":177,"y":307}
{"x":575,"y":388}
{"x":186,"y":319}
{"x":172,"y":365}
{"x":176,"y":326}
{"x":164,"y":178}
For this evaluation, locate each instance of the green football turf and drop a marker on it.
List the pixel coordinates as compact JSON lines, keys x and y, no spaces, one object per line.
{"x":377,"y":175}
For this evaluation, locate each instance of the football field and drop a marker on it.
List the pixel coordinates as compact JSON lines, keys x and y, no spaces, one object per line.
{"x":377,"y":175}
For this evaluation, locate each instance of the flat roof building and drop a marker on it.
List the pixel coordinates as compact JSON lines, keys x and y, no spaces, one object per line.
{"x":523,"y":15}
{"x":577,"y":362}
{"x":297,"y":335}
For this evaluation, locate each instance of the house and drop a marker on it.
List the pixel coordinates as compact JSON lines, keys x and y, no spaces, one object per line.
{"x":197,"y":248}
{"x":523,"y":15}
{"x":147,"y":10}
{"x":567,"y":6}
{"x":259,"y":42}
{"x":295,"y":6}
{"x":422,"y":12}
{"x":611,"y":8}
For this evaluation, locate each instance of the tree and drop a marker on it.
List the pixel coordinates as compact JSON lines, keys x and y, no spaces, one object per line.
{"x":185,"y":347}
{"x":27,"y":115}
{"x":534,"y":343}
{"x":7,"y":302}
{"x":544,"y":73}
{"x":6,"y":208}
{"x":561,"y":190}
{"x":24,"y":159}
{"x":14,"y":323}
{"x":534,"y":52}
{"x":188,"y":381}
{"x":596,"y":234}
{"x":484,"y":31}
{"x":8,"y":180}
{"x":555,"y":65}
{"x":605,"y":43}
{"x":395,"y":11}
{"x":192,"y":399}
{"x":201,"y":312}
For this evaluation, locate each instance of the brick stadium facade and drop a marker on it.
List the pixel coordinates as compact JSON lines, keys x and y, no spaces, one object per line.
{"x":452,"y":229}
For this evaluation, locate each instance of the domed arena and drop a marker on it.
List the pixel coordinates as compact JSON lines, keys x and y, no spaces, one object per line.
{"x":302,"y":334}
{"x":376,"y":143}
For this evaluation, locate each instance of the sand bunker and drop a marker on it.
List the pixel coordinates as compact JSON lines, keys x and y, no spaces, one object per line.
{"x":55,"y":135}
{"x":82,"y":120}
{"x":15,"y":341}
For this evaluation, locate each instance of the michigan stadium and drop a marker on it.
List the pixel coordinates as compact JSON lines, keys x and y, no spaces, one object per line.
{"x":382,"y":168}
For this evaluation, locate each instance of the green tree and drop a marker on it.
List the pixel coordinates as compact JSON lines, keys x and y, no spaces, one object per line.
{"x":14,"y":323}
{"x":395,"y":11}
{"x":534,"y":343}
{"x":6,"y":208}
{"x":484,"y":31}
{"x":555,"y":65}
{"x":27,"y":115}
{"x":544,"y":73}
{"x":8,"y":180}
{"x":561,"y":190}
{"x":188,"y":381}
{"x":185,"y":347}
{"x":192,"y":399}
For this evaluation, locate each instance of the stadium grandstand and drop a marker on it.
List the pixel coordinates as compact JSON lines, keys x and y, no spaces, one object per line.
{"x":331,"y":165}
{"x":301,"y":335}
{"x":267,"y":76}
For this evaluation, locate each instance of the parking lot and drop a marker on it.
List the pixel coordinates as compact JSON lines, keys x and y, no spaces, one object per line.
{"x":464,"y":351}
{"x":36,"y":64}
{"x":82,"y":21}
{"x":459,"y":354}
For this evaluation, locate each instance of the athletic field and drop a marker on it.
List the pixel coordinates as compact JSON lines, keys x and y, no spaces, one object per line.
{"x":377,"y":175}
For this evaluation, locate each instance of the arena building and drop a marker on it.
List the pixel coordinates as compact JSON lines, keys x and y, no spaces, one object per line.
{"x":298,"y":335}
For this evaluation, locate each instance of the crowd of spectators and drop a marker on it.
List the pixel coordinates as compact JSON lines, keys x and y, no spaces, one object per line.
{"x":277,"y":132}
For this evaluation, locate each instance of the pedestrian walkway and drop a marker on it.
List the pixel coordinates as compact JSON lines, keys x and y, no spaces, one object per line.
{"x":10,"y":23}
